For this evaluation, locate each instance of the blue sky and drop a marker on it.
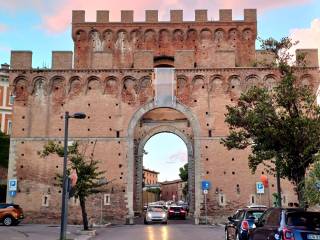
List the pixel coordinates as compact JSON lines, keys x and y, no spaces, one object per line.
{"x":166,"y":154}
{"x":44,"y":26}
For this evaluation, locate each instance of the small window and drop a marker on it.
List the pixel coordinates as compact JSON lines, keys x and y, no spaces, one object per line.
{"x":252,"y":199}
{"x":222,"y":199}
{"x":11,"y":100}
{"x":45,"y":200}
{"x":9,"y":130}
{"x":106,"y":199}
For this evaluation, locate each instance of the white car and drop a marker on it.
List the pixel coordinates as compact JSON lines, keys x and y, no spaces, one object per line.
{"x":156,"y":214}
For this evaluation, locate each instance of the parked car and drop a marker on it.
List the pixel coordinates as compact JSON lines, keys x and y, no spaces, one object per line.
{"x":10,"y":214}
{"x":156,"y":214}
{"x":242,"y":223}
{"x":287,"y":224}
{"x":185,"y":206}
{"x":177,"y":212}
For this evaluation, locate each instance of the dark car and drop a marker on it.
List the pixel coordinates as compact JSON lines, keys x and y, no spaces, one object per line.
{"x":287,"y":224}
{"x":177,"y":212}
{"x":10,"y":214}
{"x":242,"y":223}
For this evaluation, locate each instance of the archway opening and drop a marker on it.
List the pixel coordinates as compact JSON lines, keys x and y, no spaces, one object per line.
{"x":160,"y":126}
{"x":165,"y":170}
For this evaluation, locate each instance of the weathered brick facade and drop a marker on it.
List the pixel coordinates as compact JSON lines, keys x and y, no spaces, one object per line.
{"x":112,"y":82}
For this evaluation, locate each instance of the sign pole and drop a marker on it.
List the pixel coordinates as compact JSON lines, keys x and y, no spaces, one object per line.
{"x":64,"y":197}
{"x":205,"y":207}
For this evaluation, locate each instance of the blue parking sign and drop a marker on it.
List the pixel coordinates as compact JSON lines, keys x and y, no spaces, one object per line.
{"x":260,"y":188}
{"x":205,"y":185}
{"x":12,"y":184}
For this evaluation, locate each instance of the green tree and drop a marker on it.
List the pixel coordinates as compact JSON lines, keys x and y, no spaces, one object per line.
{"x":184,"y":177}
{"x":4,"y":149}
{"x":312,"y":192}
{"x":281,"y":126}
{"x":184,"y":173}
{"x":87,"y":170}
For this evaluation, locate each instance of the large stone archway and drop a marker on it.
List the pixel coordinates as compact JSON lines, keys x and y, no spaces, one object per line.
{"x":134,"y":155}
{"x":139,"y":161}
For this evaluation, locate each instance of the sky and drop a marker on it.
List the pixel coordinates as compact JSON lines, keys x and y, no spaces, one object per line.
{"x":166,"y":157}
{"x":43,"y":26}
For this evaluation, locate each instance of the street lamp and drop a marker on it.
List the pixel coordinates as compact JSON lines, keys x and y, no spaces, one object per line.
{"x":65,"y":193}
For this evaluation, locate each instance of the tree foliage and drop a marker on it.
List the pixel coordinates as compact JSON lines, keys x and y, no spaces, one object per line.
{"x":4,"y":149}
{"x":184,"y":173}
{"x":184,"y":177}
{"x":87,"y":170}
{"x":281,"y":126}
{"x":312,"y":193}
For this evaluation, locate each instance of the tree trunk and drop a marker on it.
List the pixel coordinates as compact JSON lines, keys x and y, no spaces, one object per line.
{"x":84,"y":213}
{"x":300,"y":185}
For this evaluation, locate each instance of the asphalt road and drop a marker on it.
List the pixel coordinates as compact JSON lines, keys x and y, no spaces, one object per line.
{"x":161,"y":232}
{"x":175,"y":230}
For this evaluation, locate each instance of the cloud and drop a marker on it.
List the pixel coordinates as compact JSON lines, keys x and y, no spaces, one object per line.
{"x":307,"y":37}
{"x":56,"y":15}
{"x":3,"y":28}
{"x":178,"y":157}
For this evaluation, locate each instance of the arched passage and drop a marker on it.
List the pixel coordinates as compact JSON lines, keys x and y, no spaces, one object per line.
{"x":133,"y":147}
{"x":139,"y":161}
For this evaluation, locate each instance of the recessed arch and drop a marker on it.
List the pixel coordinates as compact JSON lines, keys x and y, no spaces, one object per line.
{"x":194,"y":125}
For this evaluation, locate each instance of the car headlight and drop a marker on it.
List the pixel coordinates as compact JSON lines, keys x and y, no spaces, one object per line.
{"x":164,"y":215}
{"x":149,"y":215}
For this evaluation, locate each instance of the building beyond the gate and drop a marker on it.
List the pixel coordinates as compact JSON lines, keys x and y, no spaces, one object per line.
{"x":111,"y":77}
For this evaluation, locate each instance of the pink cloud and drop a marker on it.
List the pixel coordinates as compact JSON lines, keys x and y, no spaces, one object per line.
{"x":178,"y":157}
{"x":307,"y":37}
{"x":56,"y":15}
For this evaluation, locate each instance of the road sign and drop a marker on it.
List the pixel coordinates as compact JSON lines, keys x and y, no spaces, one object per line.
{"x":12,"y":184}
{"x":205,"y":191}
{"x":205,"y":185}
{"x":260,"y":188}
{"x":12,"y":193}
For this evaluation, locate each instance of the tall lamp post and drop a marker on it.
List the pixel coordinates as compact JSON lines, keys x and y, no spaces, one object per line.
{"x":65,"y":183}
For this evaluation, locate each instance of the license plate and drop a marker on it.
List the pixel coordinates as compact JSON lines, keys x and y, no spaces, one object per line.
{"x":313,"y":236}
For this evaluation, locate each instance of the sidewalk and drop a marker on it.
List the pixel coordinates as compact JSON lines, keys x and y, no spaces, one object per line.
{"x":40,"y":232}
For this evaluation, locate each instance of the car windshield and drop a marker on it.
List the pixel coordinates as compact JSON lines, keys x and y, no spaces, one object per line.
{"x":304,"y":219}
{"x":155,"y":209}
{"x":255,"y":214}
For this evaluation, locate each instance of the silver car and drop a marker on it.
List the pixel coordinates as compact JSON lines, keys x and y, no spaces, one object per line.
{"x":155,"y":214}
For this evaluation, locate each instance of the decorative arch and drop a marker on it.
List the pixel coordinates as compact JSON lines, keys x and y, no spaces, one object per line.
{"x":39,"y":86}
{"x":20,"y":90}
{"x":206,"y":34}
{"x":111,"y":85}
{"x":74,"y":85}
{"x":93,"y":83}
{"x":194,"y":124}
{"x":56,"y":82}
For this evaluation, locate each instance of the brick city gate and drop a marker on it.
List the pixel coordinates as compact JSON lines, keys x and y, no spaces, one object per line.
{"x":163,"y":114}
{"x":111,"y":77}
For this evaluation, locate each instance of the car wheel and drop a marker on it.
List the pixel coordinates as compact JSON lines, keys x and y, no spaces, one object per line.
{"x":226,"y":235}
{"x":165,"y":223}
{"x":8,"y":221}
